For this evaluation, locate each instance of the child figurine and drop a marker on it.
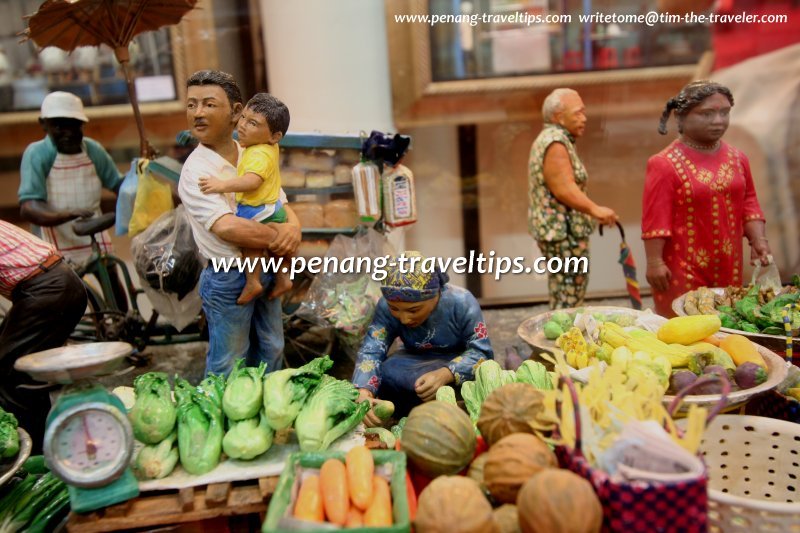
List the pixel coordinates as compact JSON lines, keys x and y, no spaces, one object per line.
{"x":444,"y":339}
{"x":263,"y":124}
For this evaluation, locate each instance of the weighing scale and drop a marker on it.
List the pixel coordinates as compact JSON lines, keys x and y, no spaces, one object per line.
{"x":88,"y":441}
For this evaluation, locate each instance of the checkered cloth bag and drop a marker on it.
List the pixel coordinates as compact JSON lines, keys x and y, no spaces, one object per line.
{"x":643,"y":507}
{"x":773,"y":404}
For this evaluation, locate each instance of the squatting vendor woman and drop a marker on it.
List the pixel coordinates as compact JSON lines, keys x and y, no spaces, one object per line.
{"x":443,"y":333}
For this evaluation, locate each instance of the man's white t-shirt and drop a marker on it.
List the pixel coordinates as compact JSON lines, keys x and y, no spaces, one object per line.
{"x":205,"y":209}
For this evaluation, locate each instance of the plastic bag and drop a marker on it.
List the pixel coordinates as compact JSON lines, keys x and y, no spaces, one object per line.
{"x":169,"y":265}
{"x":153,"y":199}
{"x":346,"y":301}
{"x":126,"y":197}
{"x":768,"y":276}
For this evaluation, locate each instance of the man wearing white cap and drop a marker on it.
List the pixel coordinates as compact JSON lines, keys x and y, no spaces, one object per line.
{"x":62,"y":177}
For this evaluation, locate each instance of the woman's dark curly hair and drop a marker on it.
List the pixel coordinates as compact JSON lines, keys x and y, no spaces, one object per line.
{"x":690,"y":97}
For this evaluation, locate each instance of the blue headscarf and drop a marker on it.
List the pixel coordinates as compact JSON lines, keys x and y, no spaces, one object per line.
{"x":412,"y":285}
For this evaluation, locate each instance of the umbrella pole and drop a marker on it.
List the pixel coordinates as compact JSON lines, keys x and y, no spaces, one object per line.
{"x":124,"y":57}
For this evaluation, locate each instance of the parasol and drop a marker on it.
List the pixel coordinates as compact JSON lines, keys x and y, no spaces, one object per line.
{"x":68,"y":24}
{"x":628,"y":268}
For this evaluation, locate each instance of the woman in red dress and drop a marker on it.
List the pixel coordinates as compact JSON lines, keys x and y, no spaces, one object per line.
{"x":699,"y":201}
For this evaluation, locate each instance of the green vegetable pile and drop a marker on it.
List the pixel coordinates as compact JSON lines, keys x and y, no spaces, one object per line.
{"x":9,"y":436}
{"x":747,"y":314}
{"x":33,"y":500}
{"x":238,"y":416}
{"x":490,"y":376}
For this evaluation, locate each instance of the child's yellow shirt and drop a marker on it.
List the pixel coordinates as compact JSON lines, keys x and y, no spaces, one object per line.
{"x":261,"y":159}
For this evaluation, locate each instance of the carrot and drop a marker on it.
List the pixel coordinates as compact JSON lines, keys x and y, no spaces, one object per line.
{"x":379,"y":513}
{"x":360,"y":469}
{"x":333,"y":482}
{"x":711,"y":339}
{"x":355,"y":518}
{"x":309,"y":501}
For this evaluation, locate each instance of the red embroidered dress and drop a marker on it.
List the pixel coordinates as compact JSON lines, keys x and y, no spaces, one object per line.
{"x":699,"y":203}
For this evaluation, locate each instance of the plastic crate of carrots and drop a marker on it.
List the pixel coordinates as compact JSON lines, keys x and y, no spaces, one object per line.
{"x":361,"y":488}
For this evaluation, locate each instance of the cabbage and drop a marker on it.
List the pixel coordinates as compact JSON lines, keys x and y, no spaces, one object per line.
{"x":285,"y":391}
{"x":200,"y":423}
{"x":153,"y":414}
{"x":534,"y":373}
{"x":243,"y":392}
{"x":446,"y":394}
{"x":9,"y":436}
{"x":156,"y":461}
{"x":247,"y":439}
{"x":330,"y":412}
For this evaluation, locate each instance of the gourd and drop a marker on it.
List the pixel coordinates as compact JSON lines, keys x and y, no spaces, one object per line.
{"x":558,"y":501}
{"x":454,"y":504}
{"x":507,"y":518}
{"x":438,"y":438}
{"x":512,"y":461}
{"x":688,"y":329}
{"x":509,"y":409}
{"x":476,"y":469}
{"x":742,"y":350}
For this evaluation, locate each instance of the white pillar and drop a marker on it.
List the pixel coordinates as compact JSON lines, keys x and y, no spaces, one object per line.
{"x":328,"y":61}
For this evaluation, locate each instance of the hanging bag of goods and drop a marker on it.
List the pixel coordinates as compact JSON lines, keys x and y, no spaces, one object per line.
{"x":367,"y":189}
{"x":636,"y":499}
{"x":399,"y":198}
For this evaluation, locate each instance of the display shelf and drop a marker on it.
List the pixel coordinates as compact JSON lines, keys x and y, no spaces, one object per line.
{"x":336,"y":189}
{"x":321,"y":141}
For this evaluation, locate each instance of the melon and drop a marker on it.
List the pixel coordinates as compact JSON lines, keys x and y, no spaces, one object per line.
{"x":438,"y":439}
{"x":558,"y":501}
{"x":512,"y":461}
{"x":509,"y":409}
{"x":454,"y":504}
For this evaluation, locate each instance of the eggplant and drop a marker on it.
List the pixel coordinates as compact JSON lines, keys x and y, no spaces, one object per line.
{"x":749,"y":375}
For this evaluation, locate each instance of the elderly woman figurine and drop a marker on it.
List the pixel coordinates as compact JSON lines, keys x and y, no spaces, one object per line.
{"x":699,"y":201}
{"x":443,"y":332}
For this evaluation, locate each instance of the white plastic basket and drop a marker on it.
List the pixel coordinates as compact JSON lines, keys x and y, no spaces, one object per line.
{"x":754,"y":474}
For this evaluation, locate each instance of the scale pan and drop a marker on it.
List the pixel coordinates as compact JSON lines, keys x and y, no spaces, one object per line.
{"x":74,"y":362}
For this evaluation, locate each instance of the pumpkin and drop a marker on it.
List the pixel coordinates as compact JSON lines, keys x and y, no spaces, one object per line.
{"x":454,"y":504}
{"x":558,"y":501}
{"x":506,"y":518}
{"x":512,"y":461}
{"x":438,"y":439}
{"x":476,"y":469}
{"x":509,"y":409}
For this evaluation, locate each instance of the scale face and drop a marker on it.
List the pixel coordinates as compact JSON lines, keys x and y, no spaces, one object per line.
{"x":89,"y":444}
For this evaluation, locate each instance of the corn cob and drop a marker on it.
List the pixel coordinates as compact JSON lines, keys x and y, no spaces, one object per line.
{"x":614,"y":335}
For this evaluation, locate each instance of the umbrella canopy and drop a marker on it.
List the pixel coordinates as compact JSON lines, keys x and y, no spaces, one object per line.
{"x":628,"y":269}
{"x":68,"y":24}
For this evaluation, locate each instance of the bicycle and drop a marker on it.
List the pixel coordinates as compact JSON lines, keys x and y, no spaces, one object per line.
{"x":107,"y":319}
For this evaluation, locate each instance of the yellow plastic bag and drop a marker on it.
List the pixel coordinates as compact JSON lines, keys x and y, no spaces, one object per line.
{"x":153,"y":199}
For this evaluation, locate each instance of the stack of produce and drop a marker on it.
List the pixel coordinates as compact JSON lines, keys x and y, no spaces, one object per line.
{"x":348,"y":494}
{"x":519,"y":472}
{"x":751,"y":309}
{"x":33,"y":500}
{"x":238,"y":416}
{"x":682,"y":349}
{"x":9,"y":436}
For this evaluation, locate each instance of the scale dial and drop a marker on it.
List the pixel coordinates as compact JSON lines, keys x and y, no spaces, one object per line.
{"x":89,"y":445}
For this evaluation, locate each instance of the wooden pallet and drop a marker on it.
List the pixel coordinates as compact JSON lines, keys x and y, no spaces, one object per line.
{"x":174,"y":507}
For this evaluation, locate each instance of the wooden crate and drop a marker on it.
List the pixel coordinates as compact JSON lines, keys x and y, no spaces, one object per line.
{"x":179,"y":506}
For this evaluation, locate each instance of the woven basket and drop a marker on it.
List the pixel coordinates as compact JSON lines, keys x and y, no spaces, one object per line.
{"x":754,"y":467}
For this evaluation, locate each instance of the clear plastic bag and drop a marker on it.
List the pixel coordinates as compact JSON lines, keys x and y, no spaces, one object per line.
{"x":346,"y":301}
{"x":169,"y":265}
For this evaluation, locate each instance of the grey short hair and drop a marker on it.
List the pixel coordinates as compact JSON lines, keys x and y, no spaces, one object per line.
{"x":553,"y":104}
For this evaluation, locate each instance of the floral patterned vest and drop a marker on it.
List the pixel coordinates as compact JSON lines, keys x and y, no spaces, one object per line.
{"x":548,"y":219}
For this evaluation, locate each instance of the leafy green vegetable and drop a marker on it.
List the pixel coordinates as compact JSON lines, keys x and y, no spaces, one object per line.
{"x":748,"y":327}
{"x":285,"y":391}
{"x":330,"y":412}
{"x":9,"y":436}
{"x":446,"y":394}
{"x":249,"y":438}
{"x":534,"y":373}
{"x":728,"y":321}
{"x":153,"y":415}
{"x":156,"y":461}
{"x":200,"y":423}
{"x":748,"y":306}
{"x":243,"y":391}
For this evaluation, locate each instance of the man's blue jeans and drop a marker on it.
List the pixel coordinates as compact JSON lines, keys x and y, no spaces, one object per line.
{"x":253,"y":331}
